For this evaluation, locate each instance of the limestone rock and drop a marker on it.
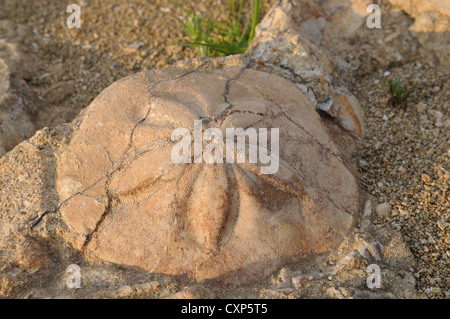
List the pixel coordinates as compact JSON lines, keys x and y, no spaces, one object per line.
{"x":290,"y":39}
{"x":278,"y":42}
{"x":126,"y":202}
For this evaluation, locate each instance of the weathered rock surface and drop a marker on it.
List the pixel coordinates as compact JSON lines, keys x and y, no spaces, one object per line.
{"x":290,"y":39}
{"x":24,"y":108}
{"x":126,"y":202}
{"x":16,"y":100}
{"x":431,"y":25}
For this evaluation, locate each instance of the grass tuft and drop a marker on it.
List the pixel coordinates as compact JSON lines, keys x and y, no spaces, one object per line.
{"x":230,"y":35}
{"x":399,"y":91}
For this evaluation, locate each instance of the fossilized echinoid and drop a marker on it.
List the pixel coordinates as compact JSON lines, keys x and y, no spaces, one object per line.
{"x":127,"y":202}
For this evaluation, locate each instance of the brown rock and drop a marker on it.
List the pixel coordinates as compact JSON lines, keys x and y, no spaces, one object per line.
{"x":426,"y":178}
{"x":348,"y":112}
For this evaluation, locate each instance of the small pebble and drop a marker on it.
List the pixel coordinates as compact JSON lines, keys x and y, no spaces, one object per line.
{"x":426,"y":178}
{"x":383,"y":209}
{"x":125,"y":291}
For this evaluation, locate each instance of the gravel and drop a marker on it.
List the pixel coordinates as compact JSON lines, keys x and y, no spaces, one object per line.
{"x":406,"y":164}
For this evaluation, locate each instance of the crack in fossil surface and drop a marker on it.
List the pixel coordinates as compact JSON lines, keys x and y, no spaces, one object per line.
{"x":127,"y":202}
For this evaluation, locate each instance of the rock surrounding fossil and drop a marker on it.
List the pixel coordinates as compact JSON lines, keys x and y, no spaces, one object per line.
{"x":127,"y":202}
{"x":295,"y":51}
